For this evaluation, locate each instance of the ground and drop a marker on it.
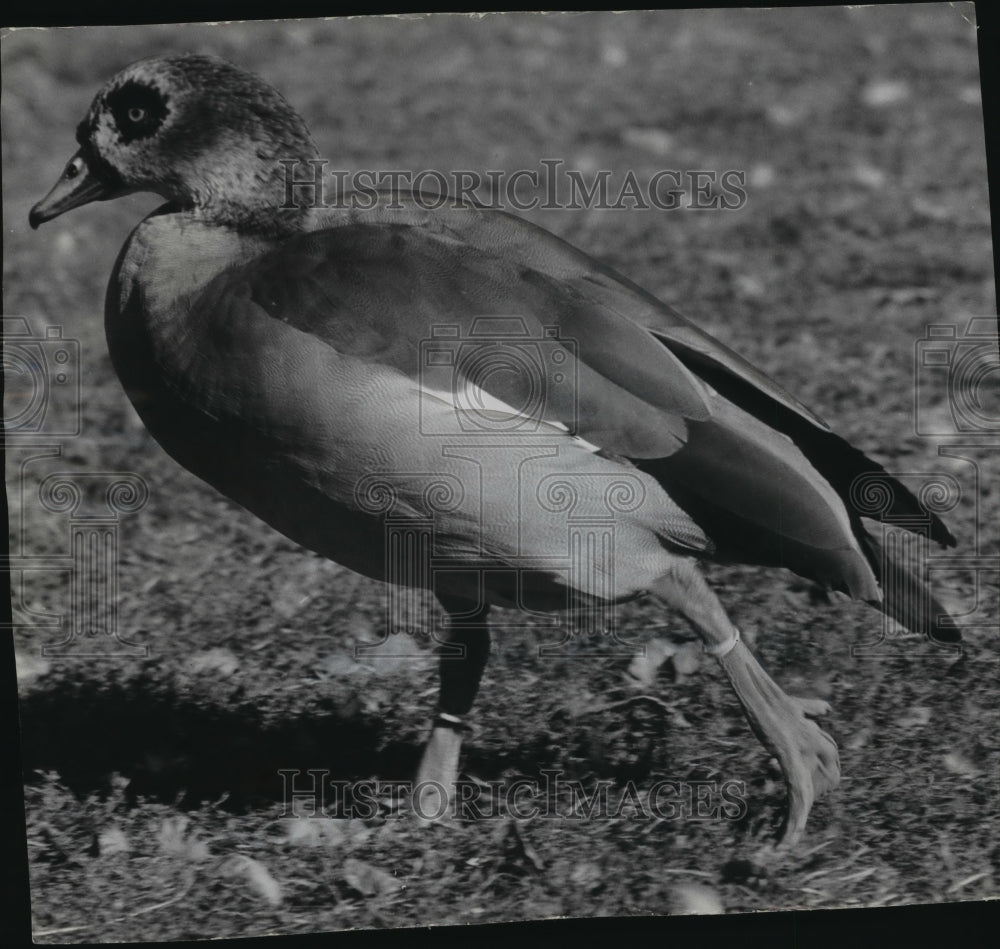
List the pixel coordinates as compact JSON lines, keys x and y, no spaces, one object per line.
{"x":154,"y":798}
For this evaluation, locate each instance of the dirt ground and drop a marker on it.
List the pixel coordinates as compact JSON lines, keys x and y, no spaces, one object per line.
{"x":154,"y":792}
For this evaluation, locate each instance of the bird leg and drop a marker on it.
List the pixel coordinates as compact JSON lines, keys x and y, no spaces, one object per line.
{"x":460,"y":675}
{"x":783,"y":724}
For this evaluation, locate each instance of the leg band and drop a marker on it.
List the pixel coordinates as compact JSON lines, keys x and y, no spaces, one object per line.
{"x":723,"y":649}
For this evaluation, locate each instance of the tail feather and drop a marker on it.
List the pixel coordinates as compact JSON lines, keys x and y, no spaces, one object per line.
{"x":899,"y":559}
{"x":839,"y":462}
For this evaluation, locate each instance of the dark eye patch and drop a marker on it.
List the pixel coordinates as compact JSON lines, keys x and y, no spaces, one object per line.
{"x":138,"y":109}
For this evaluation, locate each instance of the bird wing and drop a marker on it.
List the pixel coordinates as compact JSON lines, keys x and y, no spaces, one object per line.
{"x":622,"y":303}
{"x":521,"y":242}
{"x":428,"y":305}
{"x":448,"y":315}
{"x":432,"y":299}
{"x":307,"y":362}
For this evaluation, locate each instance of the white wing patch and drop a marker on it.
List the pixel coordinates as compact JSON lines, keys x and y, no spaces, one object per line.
{"x":481,"y":410}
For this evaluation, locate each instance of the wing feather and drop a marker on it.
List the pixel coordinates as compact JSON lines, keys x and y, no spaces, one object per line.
{"x":751,"y":467}
{"x":706,"y":358}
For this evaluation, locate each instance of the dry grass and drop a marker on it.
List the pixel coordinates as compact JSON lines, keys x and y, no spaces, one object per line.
{"x":867,"y":219}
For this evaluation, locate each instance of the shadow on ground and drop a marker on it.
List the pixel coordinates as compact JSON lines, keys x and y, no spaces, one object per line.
{"x":174,"y":745}
{"x":189,"y":745}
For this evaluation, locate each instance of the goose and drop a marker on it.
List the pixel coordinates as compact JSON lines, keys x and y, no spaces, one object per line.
{"x":349,"y":374}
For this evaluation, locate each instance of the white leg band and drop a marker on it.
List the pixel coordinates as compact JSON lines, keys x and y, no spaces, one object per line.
{"x":723,"y":649}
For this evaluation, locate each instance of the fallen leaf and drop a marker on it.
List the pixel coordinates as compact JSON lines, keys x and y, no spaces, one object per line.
{"x":935,"y":212}
{"x":642,"y":671}
{"x":218,"y":660}
{"x":175,"y":839}
{"x":314,"y":832}
{"x":784,"y":116}
{"x":885,"y":92}
{"x":750,"y":287}
{"x":694,"y":899}
{"x":257,"y":877}
{"x":918,"y":716}
{"x":762,"y":176}
{"x":29,"y":667}
{"x":869,"y":176}
{"x":369,"y":880}
{"x":614,"y":56}
{"x":112,"y":840}
{"x":957,"y":763}
{"x":859,"y":740}
{"x":586,"y":875}
{"x":655,"y":141}
{"x":687,"y":659}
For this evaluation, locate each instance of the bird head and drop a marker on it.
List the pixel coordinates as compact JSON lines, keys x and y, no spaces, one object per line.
{"x":194,"y":129}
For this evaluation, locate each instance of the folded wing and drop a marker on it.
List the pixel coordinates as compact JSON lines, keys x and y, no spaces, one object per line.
{"x":431,"y":295}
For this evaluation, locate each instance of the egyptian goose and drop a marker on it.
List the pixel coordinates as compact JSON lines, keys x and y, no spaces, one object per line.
{"x":340,"y":372}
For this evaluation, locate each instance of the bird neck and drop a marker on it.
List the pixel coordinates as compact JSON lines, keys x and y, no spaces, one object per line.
{"x":252,"y":195}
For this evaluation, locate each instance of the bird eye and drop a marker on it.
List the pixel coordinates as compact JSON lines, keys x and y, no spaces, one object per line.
{"x":138,"y":109}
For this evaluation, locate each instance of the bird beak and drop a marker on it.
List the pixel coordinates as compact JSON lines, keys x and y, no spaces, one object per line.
{"x":76,"y":186}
